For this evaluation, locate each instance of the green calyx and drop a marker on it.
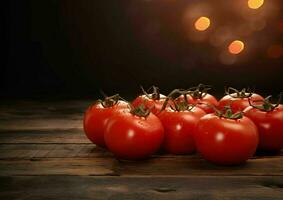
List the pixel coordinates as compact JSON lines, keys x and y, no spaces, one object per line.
{"x":244,"y":93}
{"x":228,"y":113}
{"x":199,"y":91}
{"x":266,"y":105}
{"x":180,"y":104}
{"x":109,"y":101}
{"x":153,"y":93}
{"x":141,"y":110}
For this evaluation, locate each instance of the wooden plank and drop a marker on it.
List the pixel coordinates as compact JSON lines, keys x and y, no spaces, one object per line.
{"x":41,"y":124}
{"x":44,"y":136}
{"x":32,"y":115}
{"x":140,"y":188}
{"x":60,"y":166}
{"x":75,"y":150}
{"x":173,"y":166}
{"x":28,"y":151}
{"x":197,"y":166}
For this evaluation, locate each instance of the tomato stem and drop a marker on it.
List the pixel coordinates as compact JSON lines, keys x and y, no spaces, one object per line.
{"x":227,"y":112}
{"x":141,"y":110}
{"x":199,"y":91}
{"x":155,"y":94}
{"x":266,"y":105}
{"x":244,"y":93}
{"x":109,"y":101}
{"x":181,"y":105}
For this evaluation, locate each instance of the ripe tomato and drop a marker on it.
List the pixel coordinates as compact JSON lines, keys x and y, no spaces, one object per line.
{"x":134,"y":134}
{"x":226,"y":140}
{"x":97,"y":115}
{"x":239,"y":100}
{"x":179,"y":127}
{"x":269,"y":121}
{"x":153,"y":101}
{"x":199,"y":96}
{"x":205,"y":102}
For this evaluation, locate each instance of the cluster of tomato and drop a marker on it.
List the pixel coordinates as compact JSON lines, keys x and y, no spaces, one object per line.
{"x":228,"y":131}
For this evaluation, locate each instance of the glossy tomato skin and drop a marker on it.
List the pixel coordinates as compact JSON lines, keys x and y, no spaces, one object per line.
{"x":132,"y":137}
{"x":237,"y":104}
{"x":95,"y":120}
{"x":206,"y":102}
{"x":156,"y":105}
{"x":270,"y":127}
{"x":226,"y":141}
{"x":179,"y":128}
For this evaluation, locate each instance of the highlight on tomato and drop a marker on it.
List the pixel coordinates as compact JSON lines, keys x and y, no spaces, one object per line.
{"x":134,"y":133}
{"x":179,"y":122}
{"x":268,"y":118}
{"x":238,"y":100}
{"x":154,"y":99}
{"x":226,"y":138}
{"x":97,"y":115}
{"x":199,"y":95}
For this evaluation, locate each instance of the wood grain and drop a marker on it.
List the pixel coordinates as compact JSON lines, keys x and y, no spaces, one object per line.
{"x":44,"y":154}
{"x":28,"y":151}
{"x":173,"y":166}
{"x":53,"y":136}
{"x":31,"y":116}
{"x":43,"y":149}
{"x":141,"y":188}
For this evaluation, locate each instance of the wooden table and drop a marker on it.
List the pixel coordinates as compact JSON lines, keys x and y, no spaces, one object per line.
{"x":44,"y":154}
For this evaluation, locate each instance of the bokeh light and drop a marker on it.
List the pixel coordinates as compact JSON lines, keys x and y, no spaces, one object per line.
{"x":255,"y":4}
{"x":202,"y":23}
{"x":236,"y":47}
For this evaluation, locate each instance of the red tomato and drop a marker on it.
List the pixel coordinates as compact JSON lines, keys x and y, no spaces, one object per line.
{"x":226,"y":141}
{"x":270,"y":127}
{"x":132,"y":137}
{"x":179,"y":127}
{"x":153,"y":101}
{"x":95,"y":120}
{"x":198,"y":95}
{"x":205,"y":102}
{"x":150,"y":103}
{"x":238,"y":100}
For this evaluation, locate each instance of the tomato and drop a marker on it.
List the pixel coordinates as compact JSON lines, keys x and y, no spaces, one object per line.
{"x":133,"y":136}
{"x":226,"y":141}
{"x":155,"y":104}
{"x":153,"y":101}
{"x":198,"y":95}
{"x":179,"y":127}
{"x":269,"y":121}
{"x":205,"y":102}
{"x":96,"y":117}
{"x":238,"y":100}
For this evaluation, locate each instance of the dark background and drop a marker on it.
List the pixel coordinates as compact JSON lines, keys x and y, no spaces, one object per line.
{"x":71,"y":48}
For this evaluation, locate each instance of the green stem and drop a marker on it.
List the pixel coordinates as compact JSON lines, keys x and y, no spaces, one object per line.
{"x":141,"y":110}
{"x":199,"y":91}
{"x":244,"y":93}
{"x":155,"y":95}
{"x":266,"y":105}
{"x":181,"y":105}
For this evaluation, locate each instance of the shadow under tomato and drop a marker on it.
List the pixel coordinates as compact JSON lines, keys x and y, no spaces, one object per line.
{"x":268,"y":153}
